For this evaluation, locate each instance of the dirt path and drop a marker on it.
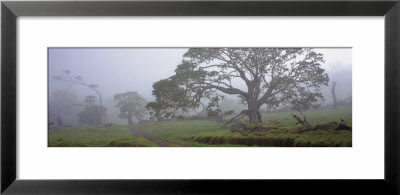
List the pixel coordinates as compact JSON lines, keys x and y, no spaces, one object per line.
{"x":159,"y":142}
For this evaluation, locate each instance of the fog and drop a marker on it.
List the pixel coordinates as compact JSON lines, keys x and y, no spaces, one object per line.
{"x":118,"y":70}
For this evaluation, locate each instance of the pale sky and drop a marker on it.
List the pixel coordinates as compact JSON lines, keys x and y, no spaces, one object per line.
{"x":336,"y":59}
{"x":117,"y":70}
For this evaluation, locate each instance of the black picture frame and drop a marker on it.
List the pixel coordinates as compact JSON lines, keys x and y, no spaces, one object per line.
{"x":11,"y":10}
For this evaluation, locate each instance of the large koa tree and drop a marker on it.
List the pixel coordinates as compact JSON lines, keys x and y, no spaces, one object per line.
{"x":272,"y":76}
{"x":131,"y":104}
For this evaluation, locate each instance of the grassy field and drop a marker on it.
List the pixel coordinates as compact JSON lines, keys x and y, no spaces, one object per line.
{"x":205,"y":133}
{"x":95,"y":136}
{"x":313,"y":116}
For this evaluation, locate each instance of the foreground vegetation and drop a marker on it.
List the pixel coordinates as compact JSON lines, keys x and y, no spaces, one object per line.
{"x":203,"y":133}
{"x":95,"y":136}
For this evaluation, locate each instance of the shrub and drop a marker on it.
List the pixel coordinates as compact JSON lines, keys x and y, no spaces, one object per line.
{"x":270,"y":141}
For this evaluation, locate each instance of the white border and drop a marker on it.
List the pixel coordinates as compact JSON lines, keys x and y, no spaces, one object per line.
{"x":365,"y":160}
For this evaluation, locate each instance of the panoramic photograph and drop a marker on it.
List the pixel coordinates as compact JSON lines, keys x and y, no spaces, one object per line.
{"x":199,"y":97}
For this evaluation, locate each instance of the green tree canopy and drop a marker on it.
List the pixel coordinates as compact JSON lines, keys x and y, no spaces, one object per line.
{"x":273,"y":76}
{"x":131,"y":104}
{"x":92,"y":114}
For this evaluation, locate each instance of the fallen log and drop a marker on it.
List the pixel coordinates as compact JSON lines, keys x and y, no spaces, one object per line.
{"x":342,"y":125}
{"x":302,"y":122}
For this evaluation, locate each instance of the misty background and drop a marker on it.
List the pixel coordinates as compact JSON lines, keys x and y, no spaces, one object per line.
{"x":119,"y":70}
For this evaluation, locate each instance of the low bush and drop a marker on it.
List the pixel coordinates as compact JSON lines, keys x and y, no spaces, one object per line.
{"x":275,"y":141}
{"x":248,"y":141}
{"x":65,"y":143}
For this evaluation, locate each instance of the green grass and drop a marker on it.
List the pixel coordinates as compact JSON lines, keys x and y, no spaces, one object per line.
{"x":204,"y":133}
{"x":94,"y":136}
{"x":175,"y":131}
{"x":313,"y":116}
{"x":132,"y":142}
{"x":178,"y":132}
{"x":200,"y":133}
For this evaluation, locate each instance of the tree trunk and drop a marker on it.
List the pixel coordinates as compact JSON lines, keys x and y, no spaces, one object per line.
{"x":130,"y":119}
{"x":253,"y":112}
{"x":100,"y":98}
{"x":334,"y":95}
{"x":253,"y":116}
